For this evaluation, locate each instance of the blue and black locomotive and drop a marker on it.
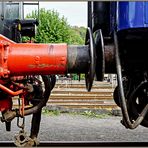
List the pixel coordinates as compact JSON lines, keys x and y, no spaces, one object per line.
{"x":120,"y":32}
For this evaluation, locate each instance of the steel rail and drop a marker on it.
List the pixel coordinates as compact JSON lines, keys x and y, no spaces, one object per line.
{"x":81,"y":144}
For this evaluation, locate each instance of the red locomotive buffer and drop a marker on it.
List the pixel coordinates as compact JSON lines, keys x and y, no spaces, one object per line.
{"x":30,"y":58}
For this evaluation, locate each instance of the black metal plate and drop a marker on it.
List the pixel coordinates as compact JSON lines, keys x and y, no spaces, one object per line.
{"x":89,"y":77}
{"x":100,"y":57}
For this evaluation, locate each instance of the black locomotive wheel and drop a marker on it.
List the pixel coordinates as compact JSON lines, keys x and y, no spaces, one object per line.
{"x":137,"y":102}
{"x":127,"y":90}
{"x":89,"y":76}
{"x":117,"y":96}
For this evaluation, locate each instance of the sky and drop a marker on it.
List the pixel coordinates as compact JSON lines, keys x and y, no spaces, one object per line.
{"x":74,"y":12}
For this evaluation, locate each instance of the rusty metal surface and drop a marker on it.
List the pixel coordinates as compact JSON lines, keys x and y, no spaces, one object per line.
{"x":110,"y":65}
{"x":78,"y":58}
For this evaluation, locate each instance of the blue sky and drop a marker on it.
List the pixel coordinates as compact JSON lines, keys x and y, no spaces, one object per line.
{"x":75,"y":12}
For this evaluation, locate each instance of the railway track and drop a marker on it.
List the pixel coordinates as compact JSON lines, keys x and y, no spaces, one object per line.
{"x":81,"y":144}
{"x":74,"y":95}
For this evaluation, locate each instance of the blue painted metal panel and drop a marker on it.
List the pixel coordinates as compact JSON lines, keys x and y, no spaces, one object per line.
{"x":132,"y":15}
{"x":146,"y":13}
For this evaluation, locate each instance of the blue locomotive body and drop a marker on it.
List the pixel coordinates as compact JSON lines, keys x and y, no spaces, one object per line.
{"x":131,"y":15}
{"x":128,"y":15}
{"x":118,"y":16}
{"x":121,"y":29}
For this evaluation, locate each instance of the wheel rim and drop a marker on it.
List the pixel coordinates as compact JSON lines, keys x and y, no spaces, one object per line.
{"x":89,"y":76}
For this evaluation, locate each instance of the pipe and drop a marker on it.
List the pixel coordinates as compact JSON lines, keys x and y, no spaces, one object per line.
{"x":36,"y":108}
{"x":10,"y":92}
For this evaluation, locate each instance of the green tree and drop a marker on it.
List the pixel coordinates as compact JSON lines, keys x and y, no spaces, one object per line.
{"x":80,"y":30}
{"x":52,"y":28}
{"x":75,"y":38}
{"x":77,"y":35}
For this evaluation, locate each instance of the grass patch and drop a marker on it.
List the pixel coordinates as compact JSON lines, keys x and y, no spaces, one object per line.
{"x":87,"y":113}
{"x":91,"y":114}
{"x":51,"y":113}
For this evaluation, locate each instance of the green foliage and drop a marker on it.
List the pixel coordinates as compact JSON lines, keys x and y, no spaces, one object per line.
{"x":77,"y":35}
{"x":75,"y":38}
{"x":53,"y":29}
{"x":25,"y":39}
{"x":76,"y":77}
{"x":93,"y":114}
{"x":51,"y":113}
{"x":86,"y":113}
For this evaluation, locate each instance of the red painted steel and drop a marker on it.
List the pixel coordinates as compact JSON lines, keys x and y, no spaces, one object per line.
{"x":10,"y":92}
{"x":31,"y":59}
{"x":5,"y":104}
